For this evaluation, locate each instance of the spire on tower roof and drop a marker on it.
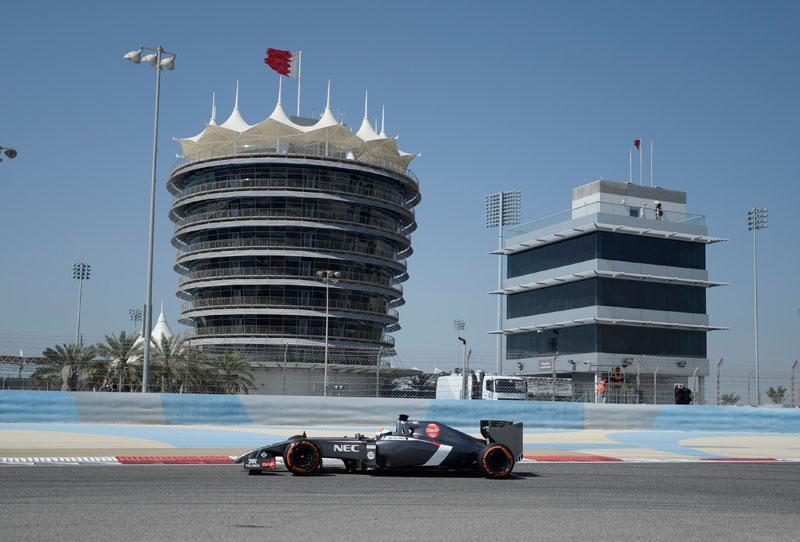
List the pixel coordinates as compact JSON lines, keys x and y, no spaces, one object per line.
{"x":213,"y":120}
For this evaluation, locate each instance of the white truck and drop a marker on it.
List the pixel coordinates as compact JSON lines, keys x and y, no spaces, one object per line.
{"x":482,"y":386}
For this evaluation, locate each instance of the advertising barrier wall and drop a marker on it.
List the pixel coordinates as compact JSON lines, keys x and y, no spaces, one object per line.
{"x":192,"y":409}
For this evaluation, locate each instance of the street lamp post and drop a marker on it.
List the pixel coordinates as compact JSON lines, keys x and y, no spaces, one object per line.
{"x":756,"y":220}
{"x":327,"y":277}
{"x":136,"y":316}
{"x":464,"y":370}
{"x":156,"y":61}
{"x":80,"y":271}
{"x":458,"y":326}
{"x":10,"y":153}
{"x":502,"y":209}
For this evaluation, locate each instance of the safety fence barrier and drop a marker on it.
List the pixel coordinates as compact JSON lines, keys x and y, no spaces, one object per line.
{"x":195,"y":409}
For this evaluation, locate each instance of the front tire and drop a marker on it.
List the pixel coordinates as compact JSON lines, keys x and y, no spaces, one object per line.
{"x":302,"y":457}
{"x":495,"y":461}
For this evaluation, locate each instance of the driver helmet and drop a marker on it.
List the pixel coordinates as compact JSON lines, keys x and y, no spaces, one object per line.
{"x":383,"y":432}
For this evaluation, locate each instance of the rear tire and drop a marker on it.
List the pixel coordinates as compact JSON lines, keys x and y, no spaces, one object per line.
{"x":495,"y":461}
{"x":302,"y":457}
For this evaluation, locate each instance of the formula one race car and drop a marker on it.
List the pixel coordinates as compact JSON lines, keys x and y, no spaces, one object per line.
{"x":412,"y":445}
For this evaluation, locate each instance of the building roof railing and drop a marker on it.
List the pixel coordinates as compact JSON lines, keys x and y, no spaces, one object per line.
{"x":598,"y":207}
{"x":307,"y":154}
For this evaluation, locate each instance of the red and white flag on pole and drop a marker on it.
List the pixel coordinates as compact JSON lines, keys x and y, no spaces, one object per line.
{"x":638,"y":144}
{"x":283,"y":62}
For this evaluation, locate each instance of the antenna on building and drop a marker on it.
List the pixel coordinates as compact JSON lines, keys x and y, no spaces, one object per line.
{"x":651,"y":163}
{"x":236,"y":103}
{"x":630,"y":165}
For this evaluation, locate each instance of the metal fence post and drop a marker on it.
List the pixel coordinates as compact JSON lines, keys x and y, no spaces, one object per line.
{"x":554,"y":376}
{"x":748,"y":386}
{"x":794,"y":390}
{"x":378,"y":373}
{"x":638,"y":375}
{"x":285,"y":355}
{"x":655,"y":386}
{"x":718,"y":369}
{"x":694,"y":385}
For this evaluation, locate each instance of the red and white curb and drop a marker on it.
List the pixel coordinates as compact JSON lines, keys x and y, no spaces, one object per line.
{"x":226,"y":460}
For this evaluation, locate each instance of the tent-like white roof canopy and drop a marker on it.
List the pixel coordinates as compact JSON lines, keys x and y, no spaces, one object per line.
{"x":326,"y":137}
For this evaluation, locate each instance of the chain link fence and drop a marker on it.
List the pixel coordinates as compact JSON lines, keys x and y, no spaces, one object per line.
{"x":178,"y":367}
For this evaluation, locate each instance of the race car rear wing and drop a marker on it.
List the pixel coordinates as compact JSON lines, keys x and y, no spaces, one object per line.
{"x":506,"y":433}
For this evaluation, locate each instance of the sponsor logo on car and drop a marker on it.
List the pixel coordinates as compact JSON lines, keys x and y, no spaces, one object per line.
{"x":268,"y":464}
{"x":252,"y":462}
{"x":345,"y":447}
{"x":432,"y":430}
{"x":370,"y":455}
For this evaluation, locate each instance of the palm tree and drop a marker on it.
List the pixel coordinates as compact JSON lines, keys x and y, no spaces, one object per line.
{"x":51,"y":373}
{"x":118,"y":352}
{"x":168,"y":364}
{"x":729,"y":399}
{"x":776,"y":395}
{"x":235,"y":372}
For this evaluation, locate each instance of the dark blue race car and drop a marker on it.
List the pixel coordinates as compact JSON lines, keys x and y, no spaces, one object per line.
{"x":413,"y":445}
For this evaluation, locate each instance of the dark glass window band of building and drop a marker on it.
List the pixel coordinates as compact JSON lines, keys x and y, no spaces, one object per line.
{"x":608,"y":293}
{"x":275,"y":177}
{"x":608,"y":246}
{"x":607,"y":339}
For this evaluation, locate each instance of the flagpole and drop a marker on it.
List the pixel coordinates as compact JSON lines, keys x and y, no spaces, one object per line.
{"x":640,"y":164}
{"x":630,"y":166}
{"x":651,"y":163}
{"x":299,"y":74}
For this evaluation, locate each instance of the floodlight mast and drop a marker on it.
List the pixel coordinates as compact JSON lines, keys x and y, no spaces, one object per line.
{"x":502,"y":209}
{"x":756,"y":220}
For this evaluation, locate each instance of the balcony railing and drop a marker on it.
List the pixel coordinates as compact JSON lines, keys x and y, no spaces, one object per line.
{"x":279,"y":302}
{"x":306,"y":155}
{"x":370,"y":192}
{"x":365,"y":279}
{"x":390,"y":226}
{"x":284,"y":332}
{"x":193,"y":248}
{"x":607,"y":208}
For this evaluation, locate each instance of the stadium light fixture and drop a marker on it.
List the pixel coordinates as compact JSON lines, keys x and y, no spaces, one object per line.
{"x":502,"y":209}
{"x":756,"y":220}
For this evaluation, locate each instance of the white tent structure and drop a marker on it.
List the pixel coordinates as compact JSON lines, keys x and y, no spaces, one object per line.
{"x":160,"y":330}
{"x":280,"y":135}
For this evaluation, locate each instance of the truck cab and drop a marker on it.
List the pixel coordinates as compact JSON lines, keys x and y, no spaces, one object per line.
{"x":510,"y":388}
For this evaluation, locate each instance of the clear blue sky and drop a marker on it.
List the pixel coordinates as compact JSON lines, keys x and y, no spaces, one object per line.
{"x":534,"y":96}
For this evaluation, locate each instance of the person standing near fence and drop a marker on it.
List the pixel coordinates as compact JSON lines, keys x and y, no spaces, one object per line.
{"x":659,"y":211}
{"x":643,"y":209}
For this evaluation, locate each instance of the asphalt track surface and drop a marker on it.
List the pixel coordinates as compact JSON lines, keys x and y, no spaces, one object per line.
{"x":620,"y":502}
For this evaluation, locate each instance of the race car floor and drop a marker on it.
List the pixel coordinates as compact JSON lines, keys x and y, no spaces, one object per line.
{"x":23,"y":440}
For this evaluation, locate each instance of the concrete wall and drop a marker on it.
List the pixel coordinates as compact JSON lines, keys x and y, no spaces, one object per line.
{"x":190,"y":409}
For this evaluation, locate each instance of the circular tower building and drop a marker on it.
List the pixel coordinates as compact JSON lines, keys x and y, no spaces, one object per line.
{"x":263,"y":213}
